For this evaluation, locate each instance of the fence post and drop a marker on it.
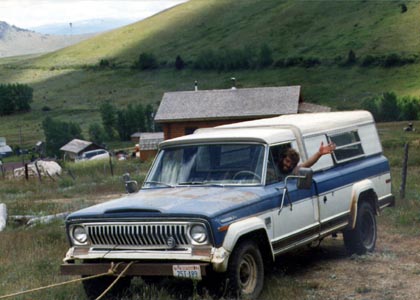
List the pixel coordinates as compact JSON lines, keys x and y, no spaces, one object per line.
{"x":404,"y":172}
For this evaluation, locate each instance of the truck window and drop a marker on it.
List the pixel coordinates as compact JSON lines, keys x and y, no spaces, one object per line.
{"x":274,"y":161}
{"x":348,"y":144}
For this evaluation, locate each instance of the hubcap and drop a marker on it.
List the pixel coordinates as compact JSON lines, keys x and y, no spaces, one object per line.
{"x":368,"y":229}
{"x":248,"y":274}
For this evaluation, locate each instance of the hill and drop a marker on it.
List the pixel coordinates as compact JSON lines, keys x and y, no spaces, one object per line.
{"x":71,"y":85}
{"x":17,"y":41}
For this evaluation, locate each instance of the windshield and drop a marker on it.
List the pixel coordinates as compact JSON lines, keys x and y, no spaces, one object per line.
{"x":208,"y":164}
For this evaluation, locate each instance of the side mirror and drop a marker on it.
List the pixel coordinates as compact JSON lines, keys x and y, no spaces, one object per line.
{"x":304,"y":178}
{"x":130,"y":185}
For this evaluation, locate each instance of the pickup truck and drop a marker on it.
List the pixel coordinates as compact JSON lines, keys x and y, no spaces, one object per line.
{"x":211,"y":208}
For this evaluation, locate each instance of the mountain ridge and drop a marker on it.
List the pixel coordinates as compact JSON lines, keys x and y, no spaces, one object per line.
{"x":16,"y":41}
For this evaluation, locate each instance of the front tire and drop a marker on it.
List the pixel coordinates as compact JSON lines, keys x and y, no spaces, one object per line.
{"x":246,"y":271}
{"x":362,"y":238}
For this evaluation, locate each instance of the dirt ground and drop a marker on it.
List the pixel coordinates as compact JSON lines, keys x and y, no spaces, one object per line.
{"x":392,"y":271}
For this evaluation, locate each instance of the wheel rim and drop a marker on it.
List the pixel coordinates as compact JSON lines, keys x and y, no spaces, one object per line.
{"x":368,"y":229}
{"x":248,"y":274}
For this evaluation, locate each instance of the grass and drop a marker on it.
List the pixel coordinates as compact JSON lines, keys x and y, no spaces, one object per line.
{"x":30,"y":257}
{"x":69,"y":83}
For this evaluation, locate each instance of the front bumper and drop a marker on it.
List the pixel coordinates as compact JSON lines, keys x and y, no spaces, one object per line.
{"x":136,"y":269}
{"x":84,"y":261}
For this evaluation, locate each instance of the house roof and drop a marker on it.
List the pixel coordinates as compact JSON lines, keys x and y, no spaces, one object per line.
{"x":228,"y":103}
{"x":75,"y":146}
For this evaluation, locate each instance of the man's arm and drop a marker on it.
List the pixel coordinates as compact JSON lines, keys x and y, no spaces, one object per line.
{"x":327,"y":149}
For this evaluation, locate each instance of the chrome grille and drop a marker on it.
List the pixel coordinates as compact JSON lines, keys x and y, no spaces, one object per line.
{"x":137,"y":235}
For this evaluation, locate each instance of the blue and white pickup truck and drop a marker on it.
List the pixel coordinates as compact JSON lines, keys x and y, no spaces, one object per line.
{"x":212,"y":205}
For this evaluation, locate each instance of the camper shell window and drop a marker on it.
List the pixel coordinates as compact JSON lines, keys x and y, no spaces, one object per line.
{"x":348,"y":146}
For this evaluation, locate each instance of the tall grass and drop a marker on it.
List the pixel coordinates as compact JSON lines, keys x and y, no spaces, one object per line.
{"x":30,"y":257}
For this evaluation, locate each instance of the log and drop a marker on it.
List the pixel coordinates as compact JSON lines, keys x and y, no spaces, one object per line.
{"x":46,"y":219}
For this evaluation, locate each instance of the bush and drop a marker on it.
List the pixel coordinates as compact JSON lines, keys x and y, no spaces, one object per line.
{"x":351,"y":58}
{"x":104,"y":63}
{"x":146,"y":61}
{"x":369,"y":60}
{"x":310,"y":62}
{"x":179,"y":63}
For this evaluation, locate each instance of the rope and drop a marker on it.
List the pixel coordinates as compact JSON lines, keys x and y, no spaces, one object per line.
{"x":111,"y":271}
{"x":115,"y":281}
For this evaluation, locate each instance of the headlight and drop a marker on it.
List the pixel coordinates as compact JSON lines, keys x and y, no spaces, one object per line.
{"x":79,"y":234}
{"x":198,"y":233}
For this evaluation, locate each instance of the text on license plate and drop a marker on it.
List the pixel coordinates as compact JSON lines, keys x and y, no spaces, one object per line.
{"x":187,"y":271}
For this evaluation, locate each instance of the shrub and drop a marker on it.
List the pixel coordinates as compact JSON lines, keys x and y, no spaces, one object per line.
{"x":146,"y":61}
{"x":179,"y":63}
{"x":351,"y":58}
{"x":104,"y":63}
{"x":265,"y":56}
{"x":310,"y":62}
{"x":369,"y":60}
{"x":293,"y":61}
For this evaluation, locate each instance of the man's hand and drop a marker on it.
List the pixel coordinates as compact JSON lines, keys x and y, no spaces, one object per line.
{"x":327,"y":149}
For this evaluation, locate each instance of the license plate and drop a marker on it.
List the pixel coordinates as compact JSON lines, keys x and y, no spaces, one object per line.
{"x":187,"y":271}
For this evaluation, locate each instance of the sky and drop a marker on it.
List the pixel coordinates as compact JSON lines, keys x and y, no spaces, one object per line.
{"x":28,"y":14}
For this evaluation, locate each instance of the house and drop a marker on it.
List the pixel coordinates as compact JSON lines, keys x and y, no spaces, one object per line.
{"x":76,"y":147}
{"x":181,"y":113}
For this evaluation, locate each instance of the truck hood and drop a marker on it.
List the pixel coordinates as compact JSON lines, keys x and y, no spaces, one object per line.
{"x":199,"y":201}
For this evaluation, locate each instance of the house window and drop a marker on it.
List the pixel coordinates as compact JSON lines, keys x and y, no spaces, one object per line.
{"x":348,"y":146}
{"x":189,"y":130}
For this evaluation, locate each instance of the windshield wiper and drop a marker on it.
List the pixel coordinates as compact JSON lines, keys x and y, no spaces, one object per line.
{"x":159,"y":182}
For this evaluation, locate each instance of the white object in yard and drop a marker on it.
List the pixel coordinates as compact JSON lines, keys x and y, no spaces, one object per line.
{"x":45,"y":168}
{"x":3,"y":216}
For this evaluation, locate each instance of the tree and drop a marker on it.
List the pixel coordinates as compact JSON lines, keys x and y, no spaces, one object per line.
{"x":108,"y":114}
{"x":389,"y":110}
{"x":97,"y":133}
{"x":59,"y":133}
{"x":351,"y":58}
{"x":265,"y":56}
{"x":22,"y":96}
{"x":179,"y":63}
{"x":146,"y":61}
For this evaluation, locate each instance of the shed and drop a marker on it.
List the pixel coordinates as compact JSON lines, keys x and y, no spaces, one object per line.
{"x":76,"y":147}
{"x":181,"y":113}
{"x":148,"y":144}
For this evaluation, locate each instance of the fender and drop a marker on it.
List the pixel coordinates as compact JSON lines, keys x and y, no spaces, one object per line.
{"x":359,"y":188}
{"x":235,"y":232}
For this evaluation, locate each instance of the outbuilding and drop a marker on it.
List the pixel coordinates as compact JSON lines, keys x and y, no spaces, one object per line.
{"x":76,"y":147}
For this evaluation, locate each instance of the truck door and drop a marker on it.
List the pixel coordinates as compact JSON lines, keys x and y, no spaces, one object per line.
{"x":296,"y":218}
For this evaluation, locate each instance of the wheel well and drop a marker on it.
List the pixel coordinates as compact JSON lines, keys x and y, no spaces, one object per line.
{"x":370,"y":197}
{"x":261,"y":239}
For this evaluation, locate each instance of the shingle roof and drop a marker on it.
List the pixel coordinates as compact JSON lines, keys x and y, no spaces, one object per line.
{"x":150,"y":140}
{"x":228,"y":103}
{"x":75,"y":146}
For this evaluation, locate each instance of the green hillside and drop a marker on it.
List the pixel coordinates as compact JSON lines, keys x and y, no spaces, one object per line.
{"x":70,"y":84}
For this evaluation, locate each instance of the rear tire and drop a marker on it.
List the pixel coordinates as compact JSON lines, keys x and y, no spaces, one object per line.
{"x":246,"y":271}
{"x":96,"y":286}
{"x":362,"y":238}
